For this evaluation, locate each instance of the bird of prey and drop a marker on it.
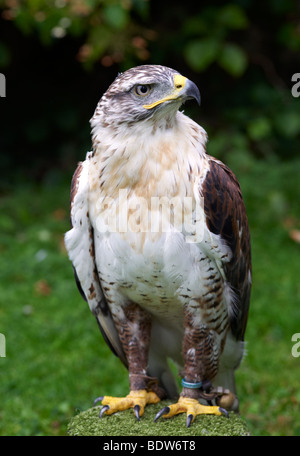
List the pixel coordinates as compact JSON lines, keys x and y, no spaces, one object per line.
{"x":160,"y":247}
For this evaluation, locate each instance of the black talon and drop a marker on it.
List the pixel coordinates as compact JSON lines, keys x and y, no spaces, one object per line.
{"x":189,"y":420}
{"x":224,"y":412}
{"x":163,"y":411}
{"x":137,"y":409}
{"x":103,"y":410}
{"x":98,"y":399}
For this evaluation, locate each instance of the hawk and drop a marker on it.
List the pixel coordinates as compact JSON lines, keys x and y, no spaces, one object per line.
{"x":160,"y":247}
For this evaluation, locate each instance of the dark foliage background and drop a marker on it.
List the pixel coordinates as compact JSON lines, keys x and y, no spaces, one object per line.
{"x":60,"y":56}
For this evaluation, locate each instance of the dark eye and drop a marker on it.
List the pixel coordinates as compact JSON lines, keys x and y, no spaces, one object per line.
{"x":142,"y":90}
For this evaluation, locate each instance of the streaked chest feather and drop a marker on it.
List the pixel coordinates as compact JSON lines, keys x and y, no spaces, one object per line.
{"x":151,"y":160}
{"x":148,"y":185}
{"x":151,"y":241}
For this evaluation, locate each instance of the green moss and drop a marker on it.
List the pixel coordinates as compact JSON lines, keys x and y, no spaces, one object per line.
{"x":124,"y":423}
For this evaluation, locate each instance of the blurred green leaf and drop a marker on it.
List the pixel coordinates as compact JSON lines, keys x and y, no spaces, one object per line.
{"x":288,"y":123}
{"x":194,"y":25}
{"x":201,"y":53}
{"x":289,"y":36}
{"x":99,"y":40}
{"x":233,"y":16}
{"x":233,"y":59}
{"x":259,"y":128}
{"x":115,"y":16}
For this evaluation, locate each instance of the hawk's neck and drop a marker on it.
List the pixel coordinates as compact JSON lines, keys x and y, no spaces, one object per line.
{"x":151,"y":158}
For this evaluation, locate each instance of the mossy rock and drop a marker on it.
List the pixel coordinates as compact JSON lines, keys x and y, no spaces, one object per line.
{"x":124,"y":423}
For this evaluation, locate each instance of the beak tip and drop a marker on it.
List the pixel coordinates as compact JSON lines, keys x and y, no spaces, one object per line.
{"x":193,"y":92}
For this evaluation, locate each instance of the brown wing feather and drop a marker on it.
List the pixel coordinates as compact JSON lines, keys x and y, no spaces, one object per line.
{"x":226,"y":216}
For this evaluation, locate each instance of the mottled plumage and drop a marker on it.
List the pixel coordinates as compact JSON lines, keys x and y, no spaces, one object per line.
{"x":160,"y":288}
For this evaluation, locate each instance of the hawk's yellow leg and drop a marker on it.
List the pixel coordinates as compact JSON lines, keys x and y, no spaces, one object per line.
{"x":135,"y":399}
{"x":192,"y":408}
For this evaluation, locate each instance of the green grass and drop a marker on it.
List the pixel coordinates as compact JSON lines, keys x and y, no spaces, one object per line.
{"x":56,"y":362}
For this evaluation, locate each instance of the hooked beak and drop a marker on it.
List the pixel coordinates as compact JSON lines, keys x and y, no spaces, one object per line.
{"x":184,"y":89}
{"x":190,"y":91}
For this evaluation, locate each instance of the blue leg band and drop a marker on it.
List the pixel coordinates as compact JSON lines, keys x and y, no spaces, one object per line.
{"x":191,"y":385}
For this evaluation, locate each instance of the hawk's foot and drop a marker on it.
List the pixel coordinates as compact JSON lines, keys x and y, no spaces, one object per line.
{"x":135,"y":399}
{"x":192,"y":408}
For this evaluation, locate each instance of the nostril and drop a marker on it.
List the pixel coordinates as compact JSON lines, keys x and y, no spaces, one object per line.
{"x":179,"y":86}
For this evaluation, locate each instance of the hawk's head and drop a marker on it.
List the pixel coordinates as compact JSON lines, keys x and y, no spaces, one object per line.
{"x":146,"y":91}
